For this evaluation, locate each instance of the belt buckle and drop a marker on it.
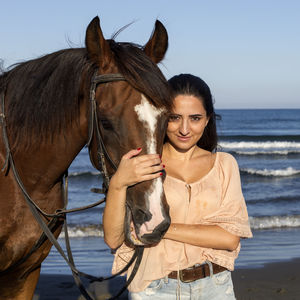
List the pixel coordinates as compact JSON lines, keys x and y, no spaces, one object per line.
{"x":183,"y":280}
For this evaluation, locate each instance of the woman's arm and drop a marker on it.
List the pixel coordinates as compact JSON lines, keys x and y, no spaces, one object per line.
{"x":207,"y":236}
{"x":132,"y":169}
{"x":114,"y":214}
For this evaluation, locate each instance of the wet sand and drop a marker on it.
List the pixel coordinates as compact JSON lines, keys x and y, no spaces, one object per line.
{"x":274,"y":281}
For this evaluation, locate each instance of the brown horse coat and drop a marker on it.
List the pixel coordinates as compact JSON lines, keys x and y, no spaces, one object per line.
{"x":47,"y":115}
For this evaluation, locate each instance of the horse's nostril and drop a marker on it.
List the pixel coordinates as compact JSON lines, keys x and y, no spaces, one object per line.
{"x":164,"y":226}
{"x":140,"y":216}
{"x":157,"y":234}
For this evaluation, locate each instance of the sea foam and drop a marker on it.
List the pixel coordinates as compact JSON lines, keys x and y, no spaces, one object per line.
{"x":261,"y":145}
{"x":272,"y":222}
{"x":271,"y":172}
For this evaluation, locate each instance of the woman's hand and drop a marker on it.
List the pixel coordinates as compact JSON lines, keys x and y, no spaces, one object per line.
{"x":134,"y":169}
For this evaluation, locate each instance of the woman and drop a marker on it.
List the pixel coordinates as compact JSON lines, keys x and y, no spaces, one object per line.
{"x":207,"y":208}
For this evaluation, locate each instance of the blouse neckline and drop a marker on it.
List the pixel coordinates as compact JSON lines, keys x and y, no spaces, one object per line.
{"x":199,"y":180}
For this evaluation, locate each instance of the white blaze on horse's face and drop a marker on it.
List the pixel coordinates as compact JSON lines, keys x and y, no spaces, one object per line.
{"x":148,"y":115}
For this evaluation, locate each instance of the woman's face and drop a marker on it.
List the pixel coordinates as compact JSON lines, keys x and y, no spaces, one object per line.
{"x":187,"y":122}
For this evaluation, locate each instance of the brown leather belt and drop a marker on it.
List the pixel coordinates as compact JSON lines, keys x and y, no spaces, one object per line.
{"x":196,"y":272}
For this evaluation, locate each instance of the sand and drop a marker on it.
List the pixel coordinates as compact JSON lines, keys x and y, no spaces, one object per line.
{"x":274,"y":281}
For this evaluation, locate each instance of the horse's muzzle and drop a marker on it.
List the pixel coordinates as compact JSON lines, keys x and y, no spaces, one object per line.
{"x":134,"y":235}
{"x":157,"y":234}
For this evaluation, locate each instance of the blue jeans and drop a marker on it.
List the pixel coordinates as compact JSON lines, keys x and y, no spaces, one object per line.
{"x":216,"y":287}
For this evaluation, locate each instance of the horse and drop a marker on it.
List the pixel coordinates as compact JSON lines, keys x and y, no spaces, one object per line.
{"x":46,"y":116}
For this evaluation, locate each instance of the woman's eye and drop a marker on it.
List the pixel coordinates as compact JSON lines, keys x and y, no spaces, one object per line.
{"x":195,"y":118}
{"x":173,"y":118}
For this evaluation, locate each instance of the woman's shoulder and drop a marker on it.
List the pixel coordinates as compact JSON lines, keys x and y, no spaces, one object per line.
{"x":225,"y":155}
{"x":226,"y":160}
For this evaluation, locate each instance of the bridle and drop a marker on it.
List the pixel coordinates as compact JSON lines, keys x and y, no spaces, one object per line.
{"x":60,"y":214}
{"x":94,"y":126}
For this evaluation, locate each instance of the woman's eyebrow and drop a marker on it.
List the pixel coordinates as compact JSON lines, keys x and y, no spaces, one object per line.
{"x":193,"y":115}
{"x":196,"y":115}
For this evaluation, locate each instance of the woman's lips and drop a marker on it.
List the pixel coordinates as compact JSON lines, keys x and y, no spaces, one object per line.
{"x":184,"y":138}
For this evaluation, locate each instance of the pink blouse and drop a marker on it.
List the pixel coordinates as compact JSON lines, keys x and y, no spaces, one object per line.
{"x":215,"y":199}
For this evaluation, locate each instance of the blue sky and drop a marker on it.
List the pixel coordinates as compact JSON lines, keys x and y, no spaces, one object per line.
{"x":247,"y":51}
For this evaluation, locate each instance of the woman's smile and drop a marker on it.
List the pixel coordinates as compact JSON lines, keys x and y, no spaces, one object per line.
{"x":184,"y":138}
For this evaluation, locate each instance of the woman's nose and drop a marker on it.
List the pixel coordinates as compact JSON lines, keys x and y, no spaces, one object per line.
{"x":184,"y":127}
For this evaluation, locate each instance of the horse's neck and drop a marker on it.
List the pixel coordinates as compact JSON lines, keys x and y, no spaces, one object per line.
{"x":46,"y":164}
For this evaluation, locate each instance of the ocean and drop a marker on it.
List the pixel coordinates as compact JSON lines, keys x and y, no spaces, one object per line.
{"x":266,"y":145}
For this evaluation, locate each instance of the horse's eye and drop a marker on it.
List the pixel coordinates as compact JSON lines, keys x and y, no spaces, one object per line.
{"x":106,"y":124}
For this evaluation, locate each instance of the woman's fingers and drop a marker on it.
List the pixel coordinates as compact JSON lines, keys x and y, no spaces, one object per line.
{"x":148,"y":160}
{"x":152,"y":176}
{"x":141,"y":162}
{"x":154,"y":158}
{"x":132,"y":153}
{"x":153,"y":169}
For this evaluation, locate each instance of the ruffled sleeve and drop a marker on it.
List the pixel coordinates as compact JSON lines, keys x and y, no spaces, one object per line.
{"x":232,"y":214}
{"x":122,"y":257}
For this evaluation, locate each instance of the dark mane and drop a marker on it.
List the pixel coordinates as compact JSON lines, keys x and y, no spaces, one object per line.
{"x":141,"y":72}
{"x":42,"y":95}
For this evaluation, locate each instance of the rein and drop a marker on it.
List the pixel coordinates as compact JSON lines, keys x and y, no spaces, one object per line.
{"x":60,"y":214}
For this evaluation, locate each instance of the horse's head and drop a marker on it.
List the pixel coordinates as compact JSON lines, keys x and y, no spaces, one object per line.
{"x":132,"y":113}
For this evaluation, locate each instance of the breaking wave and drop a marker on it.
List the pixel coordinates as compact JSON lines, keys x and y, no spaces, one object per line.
{"x":272,"y":222}
{"x":79,"y":231}
{"x":84,"y":174}
{"x":267,"y":152}
{"x":272,"y":172}
{"x":274,"y":145}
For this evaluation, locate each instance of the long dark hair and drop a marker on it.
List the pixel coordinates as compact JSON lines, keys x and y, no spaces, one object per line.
{"x":187,"y":84}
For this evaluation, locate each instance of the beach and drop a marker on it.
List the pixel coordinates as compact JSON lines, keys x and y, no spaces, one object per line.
{"x":264,"y":269}
{"x":279,"y":280}
{"x":266,"y":144}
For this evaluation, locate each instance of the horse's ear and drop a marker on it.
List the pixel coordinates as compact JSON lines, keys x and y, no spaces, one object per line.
{"x":97,"y":47}
{"x":157,"y":45}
